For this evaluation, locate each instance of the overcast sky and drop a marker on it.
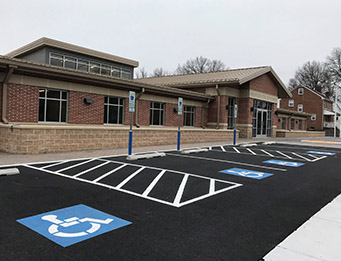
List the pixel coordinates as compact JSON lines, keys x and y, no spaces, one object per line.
{"x":164,"y":33}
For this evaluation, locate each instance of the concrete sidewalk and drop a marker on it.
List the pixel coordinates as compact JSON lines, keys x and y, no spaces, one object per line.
{"x":12,"y":159}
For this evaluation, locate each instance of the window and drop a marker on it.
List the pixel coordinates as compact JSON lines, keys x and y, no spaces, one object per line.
{"x":292,"y":124}
{"x":95,"y":67}
{"x":105,"y":69}
{"x":313,"y":117}
{"x":57,"y":60}
{"x":70,"y":62}
{"x":300,"y":124}
{"x":284,"y":123}
{"x":157,"y":111}
{"x":300,"y":91}
{"x":52,"y":105}
{"x":230,"y":113}
{"x":291,"y":103}
{"x":300,"y":108}
{"x":113,"y":110}
{"x":189,"y":115}
{"x":89,"y":66}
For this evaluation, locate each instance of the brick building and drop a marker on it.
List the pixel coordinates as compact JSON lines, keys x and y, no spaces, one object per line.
{"x":313,"y":102}
{"x":56,"y":96}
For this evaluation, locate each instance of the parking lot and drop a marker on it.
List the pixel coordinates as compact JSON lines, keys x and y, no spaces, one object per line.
{"x":225,"y":203}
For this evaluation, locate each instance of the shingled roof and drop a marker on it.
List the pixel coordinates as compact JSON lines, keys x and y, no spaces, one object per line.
{"x":233,"y":77}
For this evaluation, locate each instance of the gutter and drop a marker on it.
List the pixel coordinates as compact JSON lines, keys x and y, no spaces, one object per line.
{"x":218,"y":109}
{"x":4,"y":95}
{"x":137,"y":107}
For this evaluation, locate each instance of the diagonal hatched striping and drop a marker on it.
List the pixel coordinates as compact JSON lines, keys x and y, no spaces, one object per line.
{"x":188,"y":189}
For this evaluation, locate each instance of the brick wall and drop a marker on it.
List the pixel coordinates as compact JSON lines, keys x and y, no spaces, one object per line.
{"x":144,"y":113}
{"x":244,"y":115}
{"x":81,"y":113}
{"x":171,"y":117}
{"x":22,"y":103}
{"x":42,"y":139}
{"x":312,"y":103}
{"x":264,"y":84}
{"x":1,"y":102}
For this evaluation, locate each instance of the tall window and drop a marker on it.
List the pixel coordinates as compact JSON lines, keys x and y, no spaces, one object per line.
{"x":113,"y":110}
{"x":292,"y":124}
{"x":291,"y":103}
{"x":157,"y":112}
{"x":230,"y":115}
{"x":52,"y":105}
{"x":284,"y":123}
{"x":300,"y":107}
{"x":189,"y":115}
{"x":300,"y":124}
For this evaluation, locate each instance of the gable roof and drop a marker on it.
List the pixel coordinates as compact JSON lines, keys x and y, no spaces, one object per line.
{"x":233,"y":77}
{"x":321,"y":95}
{"x":44,"y":41}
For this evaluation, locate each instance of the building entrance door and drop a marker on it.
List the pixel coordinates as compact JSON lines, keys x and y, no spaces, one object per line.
{"x":261,"y":120}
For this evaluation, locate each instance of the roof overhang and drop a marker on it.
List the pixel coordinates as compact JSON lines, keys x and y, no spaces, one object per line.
{"x":293,"y":113}
{"x":51,"y":72}
{"x":42,"y":42}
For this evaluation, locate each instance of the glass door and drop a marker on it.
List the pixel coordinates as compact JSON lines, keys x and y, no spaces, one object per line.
{"x":261,"y":118}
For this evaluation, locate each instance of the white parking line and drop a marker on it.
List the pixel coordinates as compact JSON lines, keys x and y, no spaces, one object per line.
{"x":110,"y":172}
{"x":152,"y":185}
{"x":268,"y":153}
{"x":180,"y":190}
{"x":227,"y":161}
{"x":88,"y":170}
{"x":301,"y":156}
{"x":251,"y":151}
{"x":222,"y":148}
{"x":236,"y":149}
{"x":129,"y":178}
{"x":72,"y":166}
{"x":212,"y":186}
{"x":55,"y":164}
{"x":283,"y":154}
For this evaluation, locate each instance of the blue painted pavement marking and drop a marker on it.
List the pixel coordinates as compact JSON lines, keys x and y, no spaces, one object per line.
{"x":68,"y":226}
{"x":284,"y":163}
{"x":321,"y":152}
{"x":246,"y":173}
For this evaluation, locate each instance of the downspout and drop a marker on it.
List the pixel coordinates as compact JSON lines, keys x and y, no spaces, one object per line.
{"x":4,"y":95}
{"x":202,"y":113}
{"x":137,"y":107}
{"x":218,"y":109}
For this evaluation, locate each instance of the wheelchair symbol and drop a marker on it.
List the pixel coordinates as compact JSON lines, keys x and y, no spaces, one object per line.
{"x":248,"y":174}
{"x":53,"y":229}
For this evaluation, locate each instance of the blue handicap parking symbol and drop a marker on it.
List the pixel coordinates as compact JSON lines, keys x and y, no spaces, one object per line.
{"x":71,"y":225}
{"x":246,"y":173}
{"x":321,"y":152}
{"x":284,"y":163}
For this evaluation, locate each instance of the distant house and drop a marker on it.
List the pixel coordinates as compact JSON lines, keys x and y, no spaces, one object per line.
{"x":312,"y":102}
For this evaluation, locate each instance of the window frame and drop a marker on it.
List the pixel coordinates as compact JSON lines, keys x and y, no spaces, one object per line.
{"x":161,"y":115}
{"x":291,"y":101}
{"x":191,"y":111}
{"x":300,"y":107}
{"x":313,"y":117}
{"x":292,"y":124}
{"x":60,"y":99}
{"x":284,"y":122}
{"x":120,"y":109}
{"x":300,"y":91}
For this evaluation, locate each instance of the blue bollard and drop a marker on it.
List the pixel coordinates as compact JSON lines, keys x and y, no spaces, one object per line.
{"x":234,"y":136}
{"x":130,"y":142}
{"x":178,"y":140}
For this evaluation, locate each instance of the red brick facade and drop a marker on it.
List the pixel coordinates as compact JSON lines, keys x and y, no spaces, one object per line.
{"x":82,"y":113}
{"x":22,"y":103}
{"x":264,"y":84}
{"x":312,"y":103}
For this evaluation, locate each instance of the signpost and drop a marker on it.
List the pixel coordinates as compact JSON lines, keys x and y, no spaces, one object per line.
{"x":131,"y":110}
{"x":180,"y":103}
{"x":337,"y":109}
{"x":235,"y":123}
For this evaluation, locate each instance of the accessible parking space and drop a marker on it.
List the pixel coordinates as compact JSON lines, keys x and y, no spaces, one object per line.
{"x":228,"y":203}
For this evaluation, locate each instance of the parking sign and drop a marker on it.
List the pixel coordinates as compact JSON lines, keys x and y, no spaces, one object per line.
{"x":180,"y":103}
{"x":131,"y":101}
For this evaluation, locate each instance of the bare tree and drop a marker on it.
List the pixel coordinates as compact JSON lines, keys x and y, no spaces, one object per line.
{"x":159,"y":72}
{"x":200,"y":65}
{"x":312,"y":75}
{"x":333,"y":65}
{"x":141,"y":73}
